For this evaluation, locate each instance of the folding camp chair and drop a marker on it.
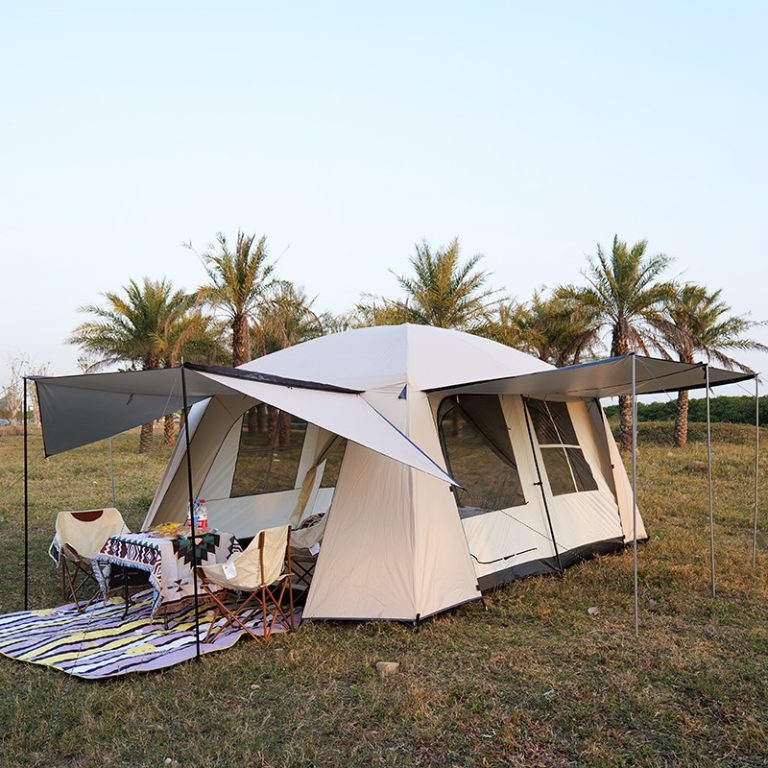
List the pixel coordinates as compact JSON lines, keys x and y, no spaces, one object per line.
{"x":255,"y":571}
{"x":305,"y":545}
{"x":78,"y":538}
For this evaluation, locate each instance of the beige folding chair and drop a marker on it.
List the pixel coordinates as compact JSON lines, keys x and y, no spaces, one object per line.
{"x":79,"y":537}
{"x":265,"y":563}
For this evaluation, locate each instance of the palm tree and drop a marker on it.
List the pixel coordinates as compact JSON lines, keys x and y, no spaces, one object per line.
{"x":513,"y":323}
{"x":133,"y":329}
{"x":285,"y":318}
{"x":239,"y":280}
{"x":625,"y":296}
{"x":700,"y":322}
{"x":557,"y":329}
{"x":443,"y":292}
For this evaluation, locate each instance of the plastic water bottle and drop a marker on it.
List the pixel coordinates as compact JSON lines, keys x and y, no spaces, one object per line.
{"x":202,"y":515}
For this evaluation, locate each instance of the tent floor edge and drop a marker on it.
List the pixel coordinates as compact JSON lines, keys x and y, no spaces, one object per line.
{"x":568,"y":558}
{"x":420,"y":617}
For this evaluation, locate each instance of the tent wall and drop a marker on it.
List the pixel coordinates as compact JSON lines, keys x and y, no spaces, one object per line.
{"x":443,"y":572}
{"x":171,"y":499}
{"x":623,"y":489}
{"x":365,"y":566}
{"x":510,"y":543}
{"x":196,"y":413}
{"x":501,"y":541}
{"x":587,"y":518}
{"x":247,"y":515}
{"x":214,"y":448}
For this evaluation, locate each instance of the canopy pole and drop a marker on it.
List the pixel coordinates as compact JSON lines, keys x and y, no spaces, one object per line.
{"x":26,"y":502}
{"x":541,"y":487}
{"x":634,"y":494}
{"x":757,"y":470}
{"x":709,"y":484}
{"x":191,"y":512}
{"x":112,"y":473}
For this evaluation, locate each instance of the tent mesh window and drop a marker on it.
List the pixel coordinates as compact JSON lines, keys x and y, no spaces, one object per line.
{"x":333,"y":463}
{"x":269,"y":454}
{"x":567,"y":469}
{"x":478,"y":453}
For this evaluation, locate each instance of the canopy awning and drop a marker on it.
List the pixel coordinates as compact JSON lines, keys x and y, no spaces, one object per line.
{"x":606,"y":378}
{"x":77,"y":410}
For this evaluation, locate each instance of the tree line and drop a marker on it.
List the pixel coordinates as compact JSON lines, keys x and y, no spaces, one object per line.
{"x":726,"y":409}
{"x":625,"y":303}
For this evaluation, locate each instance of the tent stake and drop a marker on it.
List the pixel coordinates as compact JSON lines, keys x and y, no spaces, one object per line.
{"x":709,"y":483}
{"x":757,"y":470}
{"x":634,"y":493}
{"x":191,"y":513}
{"x":26,"y":503}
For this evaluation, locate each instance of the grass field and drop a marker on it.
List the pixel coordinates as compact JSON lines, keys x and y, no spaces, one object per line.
{"x":534,"y":681}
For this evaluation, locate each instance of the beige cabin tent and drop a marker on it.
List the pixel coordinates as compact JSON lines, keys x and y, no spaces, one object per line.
{"x":539,"y":482}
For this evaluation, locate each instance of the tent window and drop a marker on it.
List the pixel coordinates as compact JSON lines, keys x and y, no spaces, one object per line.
{"x":333,"y":463}
{"x":567,"y":469}
{"x":478,"y":452}
{"x":269,"y":454}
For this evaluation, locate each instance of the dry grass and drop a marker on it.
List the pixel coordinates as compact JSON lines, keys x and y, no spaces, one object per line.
{"x":534,"y":681}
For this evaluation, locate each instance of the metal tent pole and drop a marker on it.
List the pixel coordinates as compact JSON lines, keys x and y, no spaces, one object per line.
{"x":634,"y":492}
{"x":191,"y":512}
{"x":26,"y":502}
{"x":709,"y":483}
{"x":757,"y":470}
{"x":112,"y":473}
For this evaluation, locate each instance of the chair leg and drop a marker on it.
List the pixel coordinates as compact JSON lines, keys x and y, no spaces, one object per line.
{"x":71,"y":583}
{"x":267,"y":630}
{"x":289,"y":579}
{"x":218,"y":612}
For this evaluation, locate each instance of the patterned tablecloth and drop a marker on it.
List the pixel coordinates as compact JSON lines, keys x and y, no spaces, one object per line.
{"x":168,"y":561}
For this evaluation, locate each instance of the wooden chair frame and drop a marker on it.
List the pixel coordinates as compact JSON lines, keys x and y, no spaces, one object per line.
{"x":72,"y":566}
{"x":263,"y":594}
{"x":303,"y":569}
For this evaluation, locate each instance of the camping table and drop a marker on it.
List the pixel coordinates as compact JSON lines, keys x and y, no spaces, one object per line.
{"x":167,"y":560}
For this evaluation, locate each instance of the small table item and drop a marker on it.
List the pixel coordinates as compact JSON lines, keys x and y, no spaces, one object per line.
{"x":166,"y":558}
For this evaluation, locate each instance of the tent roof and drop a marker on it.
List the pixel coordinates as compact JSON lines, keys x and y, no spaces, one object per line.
{"x":76,"y":410}
{"x":418,"y":355}
{"x":606,"y":378}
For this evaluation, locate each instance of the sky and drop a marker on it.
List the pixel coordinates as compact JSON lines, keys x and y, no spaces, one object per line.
{"x":347,"y":132}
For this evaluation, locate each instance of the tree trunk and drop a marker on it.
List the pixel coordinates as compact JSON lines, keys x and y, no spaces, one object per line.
{"x":169,"y":429}
{"x":253,"y":420}
{"x":284,"y":430}
{"x":681,"y":419}
{"x":241,"y":341}
{"x":625,"y":422}
{"x":145,"y":439}
{"x":261,"y":417}
{"x":272,"y":424}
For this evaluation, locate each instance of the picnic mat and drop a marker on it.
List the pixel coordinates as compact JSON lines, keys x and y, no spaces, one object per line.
{"x":100,"y":643}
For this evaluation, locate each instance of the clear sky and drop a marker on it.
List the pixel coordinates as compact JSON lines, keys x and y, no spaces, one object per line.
{"x":346,"y":132}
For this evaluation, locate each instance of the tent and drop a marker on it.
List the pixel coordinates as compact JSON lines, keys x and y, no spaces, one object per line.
{"x":446,"y":463}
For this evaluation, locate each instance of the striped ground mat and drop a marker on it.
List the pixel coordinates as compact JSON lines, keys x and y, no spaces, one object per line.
{"x":100,"y":643}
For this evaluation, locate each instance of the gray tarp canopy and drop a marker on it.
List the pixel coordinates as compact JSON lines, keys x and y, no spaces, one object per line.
{"x":606,"y":378}
{"x":76,"y":410}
